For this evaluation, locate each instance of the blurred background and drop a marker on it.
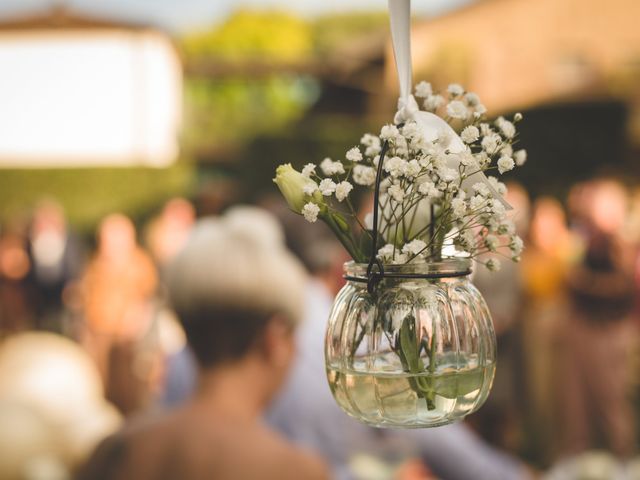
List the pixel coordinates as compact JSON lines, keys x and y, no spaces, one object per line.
{"x":121,"y":122}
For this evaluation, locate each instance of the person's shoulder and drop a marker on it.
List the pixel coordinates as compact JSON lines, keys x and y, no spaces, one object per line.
{"x":109,"y":457}
{"x":106,"y":460}
{"x":291,"y":461}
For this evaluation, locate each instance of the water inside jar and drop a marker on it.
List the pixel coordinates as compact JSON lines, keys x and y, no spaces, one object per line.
{"x":407,"y":400}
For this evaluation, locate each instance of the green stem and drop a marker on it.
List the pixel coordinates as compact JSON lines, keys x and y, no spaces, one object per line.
{"x":344,"y":238}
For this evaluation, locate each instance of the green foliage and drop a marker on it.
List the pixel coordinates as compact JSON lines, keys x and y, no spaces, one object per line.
{"x":220,"y":112}
{"x":264,"y":36}
{"x":88,"y":194}
{"x":332,"y":32}
{"x":239,"y":101}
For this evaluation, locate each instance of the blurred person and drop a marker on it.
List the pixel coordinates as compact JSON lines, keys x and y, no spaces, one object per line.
{"x":307,"y":413}
{"x":16,"y":295}
{"x":238,"y":294}
{"x":167,"y":233}
{"x":165,"y":236}
{"x":117,"y":290}
{"x":551,"y":248}
{"x":500,"y":418}
{"x":600,"y":330}
{"x":52,"y":409}
{"x":57,"y":256}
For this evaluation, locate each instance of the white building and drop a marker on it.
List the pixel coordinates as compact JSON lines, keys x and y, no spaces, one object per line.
{"x":76,"y":91}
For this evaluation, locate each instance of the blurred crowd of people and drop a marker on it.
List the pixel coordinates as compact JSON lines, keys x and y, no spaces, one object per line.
{"x":566,"y":317}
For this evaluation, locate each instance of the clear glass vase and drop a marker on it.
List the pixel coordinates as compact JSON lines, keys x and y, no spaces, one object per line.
{"x":418,"y":352}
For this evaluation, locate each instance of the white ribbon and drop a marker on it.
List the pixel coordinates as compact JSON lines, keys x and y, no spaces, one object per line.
{"x":432,"y":125}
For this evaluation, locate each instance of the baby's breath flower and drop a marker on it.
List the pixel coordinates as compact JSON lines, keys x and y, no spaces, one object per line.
{"x":433,"y":102}
{"x":308,"y":170}
{"x":481,"y":189}
{"x":400,"y":258}
{"x":472,"y":99}
{"x":491,"y":242}
{"x":395,"y":166}
{"x":506,"y":150}
{"x":465,"y":240}
{"x":342,"y":190}
{"x":516,"y":245}
{"x":479,"y":110}
{"x":396,"y":192}
{"x":506,"y":227}
{"x":411,"y":130}
{"x":401,"y":147}
{"x":326,"y":166}
{"x":372,"y":150}
{"x":310,"y":188}
{"x":506,"y":127}
{"x":482,"y":158}
{"x":517,"y":117}
{"x":354,"y":154}
{"x":459,"y":207}
{"x":412,"y":169}
{"x":310,"y":212}
{"x":455,"y":89}
{"x":423,"y":89}
{"x":327,"y":187}
{"x":329,"y":167}
{"x":492,"y":225}
{"x":414,"y":247}
{"x":386,"y":252}
{"x":477,"y":203}
{"x":389,"y":132}
{"x":485,"y":129}
{"x":520,"y":157}
{"x":428,"y":189}
{"x":470,"y":134}
{"x":497,"y":208}
{"x":491,"y":143}
{"x":463,"y":158}
{"x":497,"y":185}
{"x":505,"y":164}
{"x":457,"y":109}
{"x":369,"y":140}
{"x":363,"y":175}
{"x":448,"y":174}
{"x":493,"y":264}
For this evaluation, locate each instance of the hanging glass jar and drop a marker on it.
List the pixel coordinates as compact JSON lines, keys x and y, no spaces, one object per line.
{"x":419,"y":351}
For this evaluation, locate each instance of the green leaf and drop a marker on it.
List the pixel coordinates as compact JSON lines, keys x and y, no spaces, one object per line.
{"x":409,"y":345}
{"x":457,"y":384}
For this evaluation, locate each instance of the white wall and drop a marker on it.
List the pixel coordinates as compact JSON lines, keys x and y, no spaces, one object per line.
{"x":81,"y":98}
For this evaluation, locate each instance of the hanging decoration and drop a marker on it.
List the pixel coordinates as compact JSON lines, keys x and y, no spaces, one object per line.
{"x":410,"y":341}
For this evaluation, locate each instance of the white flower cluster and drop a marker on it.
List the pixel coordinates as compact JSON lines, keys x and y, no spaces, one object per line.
{"x":430,"y":196}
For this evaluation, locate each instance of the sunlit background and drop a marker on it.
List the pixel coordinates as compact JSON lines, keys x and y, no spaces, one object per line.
{"x":123,"y":120}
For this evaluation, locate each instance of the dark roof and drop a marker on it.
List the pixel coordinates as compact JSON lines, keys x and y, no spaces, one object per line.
{"x":61,"y":17}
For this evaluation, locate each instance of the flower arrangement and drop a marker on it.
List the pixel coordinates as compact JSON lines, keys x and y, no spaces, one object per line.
{"x":436,"y":199}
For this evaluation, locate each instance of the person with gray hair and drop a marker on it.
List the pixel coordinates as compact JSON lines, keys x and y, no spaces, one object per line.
{"x":238,"y":294}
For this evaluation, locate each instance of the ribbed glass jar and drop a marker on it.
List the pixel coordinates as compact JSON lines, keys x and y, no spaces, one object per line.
{"x":419,"y":352}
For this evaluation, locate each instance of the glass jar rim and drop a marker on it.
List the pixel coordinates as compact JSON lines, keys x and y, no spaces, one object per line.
{"x":447,"y":267}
